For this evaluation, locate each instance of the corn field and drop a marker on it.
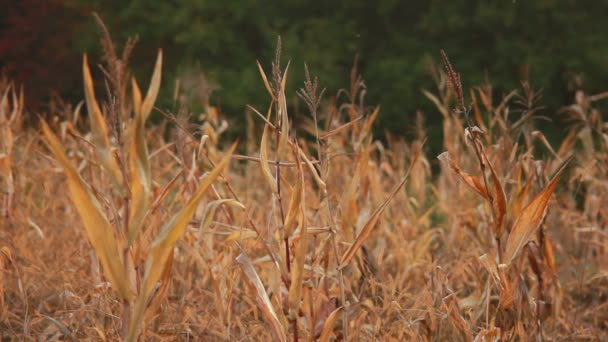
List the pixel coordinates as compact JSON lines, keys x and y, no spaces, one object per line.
{"x":307,"y":228}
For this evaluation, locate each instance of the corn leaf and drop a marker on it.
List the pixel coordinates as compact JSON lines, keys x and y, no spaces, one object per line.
{"x":284,"y":120}
{"x":371,"y":223}
{"x":320,"y":183}
{"x":261,"y":296}
{"x":473,"y":182}
{"x":530,"y":219}
{"x":265,"y":79}
{"x":499,"y":199}
{"x":97,"y":226}
{"x":101,"y":139}
{"x":264,"y":160}
{"x":212,"y":208}
{"x":297,"y":270}
{"x":328,"y":327}
{"x":146,"y":106}
{"x":141,"y":179}
{"x":296,"y":199}
{"x":164,"y":243}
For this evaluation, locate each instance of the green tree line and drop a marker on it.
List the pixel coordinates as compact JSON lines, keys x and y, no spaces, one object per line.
{"x":559,"y":45}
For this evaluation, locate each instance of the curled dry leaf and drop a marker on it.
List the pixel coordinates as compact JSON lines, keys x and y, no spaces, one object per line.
{"x":211,"y":209}
{"x":530,"y":219}
{"x":264,"y":160}
{"x":473,"y":182}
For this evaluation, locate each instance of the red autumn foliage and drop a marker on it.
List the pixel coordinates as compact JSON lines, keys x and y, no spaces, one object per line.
{"x":36,"y":47}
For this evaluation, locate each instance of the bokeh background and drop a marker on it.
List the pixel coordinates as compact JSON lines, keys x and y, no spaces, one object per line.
{"x":559,"y":45}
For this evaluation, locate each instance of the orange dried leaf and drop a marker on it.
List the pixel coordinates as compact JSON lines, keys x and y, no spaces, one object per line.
{"x":549,"y":255}
{"x":371,"y":223}
{"x":330,"y":322}
{"x":530,"y":219}
{"x":473,"y":182}
{"x":499,"y":199}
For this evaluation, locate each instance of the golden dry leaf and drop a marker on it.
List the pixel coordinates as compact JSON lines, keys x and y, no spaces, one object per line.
{"x":473,"y":182}
{"x":507,"y":291}
{"x":456,"y":319}
{"x":264,"y":160}
{"x":265,"y":79}
{"x":541,"y":136}
{"x":371,"y":223}
{"x":518,"y":203}
{"x":165,"y":241}
{"x":320,"y":183}
{"x":296,"y":199}
{"x":141,"y":179}
{"x":161,"y":291}
{"x":489,"y":262}
{"x":499,"y":199}
{"x":530,"y":219}
{"x":211,"y":209}
{"x":330,"y":322}
{"x":136,"y":96}
{"x":476,"y":111}
{"x":6,"y":174}
{"x":148,"y":104}
{"x":242,"y":235}
{"x":549,"y":255}
{"x":97,"y":226}
{"x":261,"y":296}
{"x":297,"y":270}
{"x":367,"y":126}
{"x":284,"y":120}
{"x":101,"y":139}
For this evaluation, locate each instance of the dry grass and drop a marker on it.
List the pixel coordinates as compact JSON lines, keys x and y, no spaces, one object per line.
{"x":320,"y":232}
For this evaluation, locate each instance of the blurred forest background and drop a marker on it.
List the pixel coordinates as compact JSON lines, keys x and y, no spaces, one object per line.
{"x":559,"y":45}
